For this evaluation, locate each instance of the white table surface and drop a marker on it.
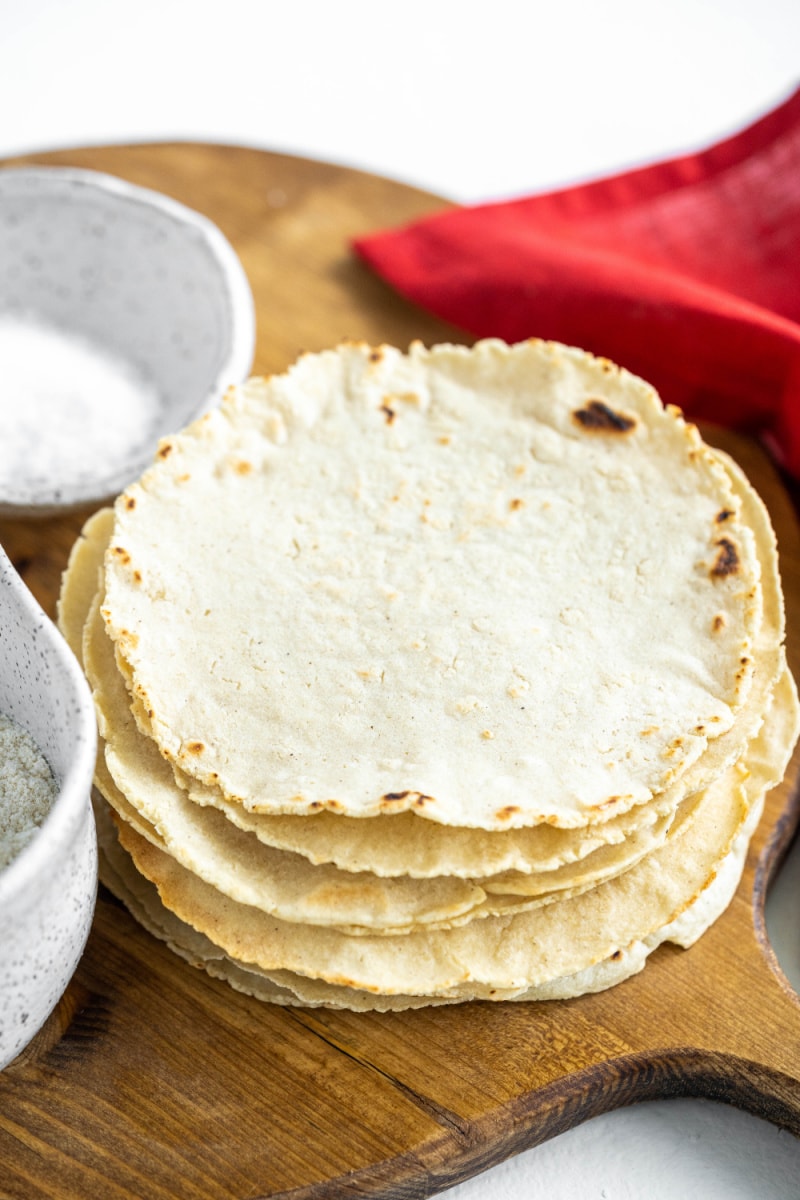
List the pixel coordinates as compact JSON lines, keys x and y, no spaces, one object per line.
{"x":472,"y":102}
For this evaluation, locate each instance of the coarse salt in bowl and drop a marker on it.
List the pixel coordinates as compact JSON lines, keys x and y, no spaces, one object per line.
{"x":123,"y":316}
{"x":48,"y":889}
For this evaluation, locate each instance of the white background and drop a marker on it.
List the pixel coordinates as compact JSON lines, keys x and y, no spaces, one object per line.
{"x":473,"y":102}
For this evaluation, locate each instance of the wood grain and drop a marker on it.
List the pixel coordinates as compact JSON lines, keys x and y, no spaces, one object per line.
{"x":153,"y":1081}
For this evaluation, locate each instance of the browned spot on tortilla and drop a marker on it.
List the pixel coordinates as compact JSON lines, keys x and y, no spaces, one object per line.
{"x":727,"y":560}
{"x":390,"y":413}
{"x":376,"y":355}
{"x":597,"y":417}
{"x":606,"y":803}
{"x":444,"y":440}
{"x":195,"y":747}
{"x":122,"y":554}
{"x":718,"y":623}
{"x":516,"y":504}
{"x":164,"y":450}
{"x":137,"y":576}
{"x":315,"y":804}
{"x":243,"y":467}
{"x":674,"y":747}
{"x":616,"y":956}
{"x":724,"y":514}
{"x":130,"y":502}
{"x":346,"y":981}
{"x":503,"y":814}
{"x":393,"y":796}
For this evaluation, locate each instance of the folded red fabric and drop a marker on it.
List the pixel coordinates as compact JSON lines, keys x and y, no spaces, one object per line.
{"x":686,"y":272}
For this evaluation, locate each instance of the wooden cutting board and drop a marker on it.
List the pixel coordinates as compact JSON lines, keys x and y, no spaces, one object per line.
{"x":153,"y":1081}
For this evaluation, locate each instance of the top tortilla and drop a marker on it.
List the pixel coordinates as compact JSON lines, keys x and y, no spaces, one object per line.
{"x":497,"y":586}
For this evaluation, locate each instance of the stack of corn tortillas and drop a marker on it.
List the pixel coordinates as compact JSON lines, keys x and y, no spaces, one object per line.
{"x":432,"y":677}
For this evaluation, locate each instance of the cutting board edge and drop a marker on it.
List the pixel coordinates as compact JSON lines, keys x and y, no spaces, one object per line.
{"x":673,"y":1073}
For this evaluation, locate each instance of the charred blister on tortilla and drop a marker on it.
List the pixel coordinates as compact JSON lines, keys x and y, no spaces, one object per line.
{"x":598,"y":417}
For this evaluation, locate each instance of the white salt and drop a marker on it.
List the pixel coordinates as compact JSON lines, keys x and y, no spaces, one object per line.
{"x":69,"y":409}
{"x":27,"y":789}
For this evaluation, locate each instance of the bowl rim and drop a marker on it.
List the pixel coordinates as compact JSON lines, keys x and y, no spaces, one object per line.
{"x":238,"y":360}
{"x":72,"y":800}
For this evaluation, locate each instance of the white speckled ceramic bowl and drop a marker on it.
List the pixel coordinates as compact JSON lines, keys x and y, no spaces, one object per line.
{"x":47,"y":893}
{"x":150,"y":284}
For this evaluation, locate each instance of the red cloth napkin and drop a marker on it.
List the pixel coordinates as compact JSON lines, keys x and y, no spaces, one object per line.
{"x":686,"y":272}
